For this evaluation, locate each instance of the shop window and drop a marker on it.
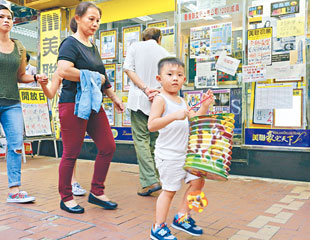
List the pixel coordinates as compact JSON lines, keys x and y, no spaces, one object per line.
{"x":275,"y":74}
{"x":211,"y":45}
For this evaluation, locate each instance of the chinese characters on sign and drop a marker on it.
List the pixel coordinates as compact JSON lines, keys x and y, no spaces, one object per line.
{"x":49,"y":41}
{"x":205,"y":13}
{"x":277,"y":137}
{"x":35,"y":112}
{"x":259,"y":46}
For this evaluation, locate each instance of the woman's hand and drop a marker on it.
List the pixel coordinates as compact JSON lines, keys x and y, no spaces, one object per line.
{"x":102,"y":79}
{"x":42,"y":79}
{"x":120,"y":108}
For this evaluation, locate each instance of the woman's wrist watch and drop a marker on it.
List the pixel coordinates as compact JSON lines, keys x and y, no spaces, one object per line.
{"x":35,"y":77}
{"x":144,"y":88}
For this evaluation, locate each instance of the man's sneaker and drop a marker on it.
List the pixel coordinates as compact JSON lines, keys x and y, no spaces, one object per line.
{"x":186,"y":225}
{"x":20,"y":197}
{"x":162,"y":233}
{"x":77,"y":190}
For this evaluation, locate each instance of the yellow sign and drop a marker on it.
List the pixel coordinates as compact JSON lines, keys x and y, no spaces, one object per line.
{"x":291,"y":27}
{"x":108,"y":33}
{"x":124,"y":9}
{"x":110,"y":66}
{"x":260,"y":33}
{"x":160,"y":24}
{"x":107,"y":100}
{"x":124,"y":99}
{"x":32,"y":96}
{"x":49,"y":41}
{"x":132,"y":29}
{"x":255,"y":20}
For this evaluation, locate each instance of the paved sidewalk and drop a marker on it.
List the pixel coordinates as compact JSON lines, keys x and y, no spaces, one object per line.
{"x":239,"y":209}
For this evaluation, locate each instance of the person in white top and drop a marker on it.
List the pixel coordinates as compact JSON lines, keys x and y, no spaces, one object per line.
{"x":141,"y":67}
{"x":169,"y":115}
{"x":31,"y":70}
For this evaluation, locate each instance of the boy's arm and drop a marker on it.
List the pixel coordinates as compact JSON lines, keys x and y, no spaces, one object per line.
{"x":51,"y":90}
{"x":156,"y":121}
{"x":204,"y":105}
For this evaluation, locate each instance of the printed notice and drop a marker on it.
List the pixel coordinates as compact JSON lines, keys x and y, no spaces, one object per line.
{"x":291,"y":27}
{"x":253,"y":73}
{"x":274,"y":96}
{"x":227,"y":64}
{"x":259,"y":46}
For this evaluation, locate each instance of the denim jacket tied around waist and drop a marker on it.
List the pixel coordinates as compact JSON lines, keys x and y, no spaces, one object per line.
{"x":89,"y":95}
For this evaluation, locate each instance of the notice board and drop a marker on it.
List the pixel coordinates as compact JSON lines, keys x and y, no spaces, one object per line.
{"x":37,"y":120}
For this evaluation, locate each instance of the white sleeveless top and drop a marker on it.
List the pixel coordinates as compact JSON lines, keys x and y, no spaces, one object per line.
{"x":172,"y":141}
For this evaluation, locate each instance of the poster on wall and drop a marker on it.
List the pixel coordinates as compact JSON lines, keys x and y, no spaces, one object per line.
{"x":259,"y":46}
{"x":126,"y":115}
{"x":125,"y":83}
{"x":108,"y":40}
{"x":130,"y":35}
{"x":284,"y":8}
{"x":192,"y":98}
{"x":222,"y":101}
{"x":236,"y":108}
{"x":167,"y":40}
{"x":111,"y":73}
{"x":206,"y":75}
{"x":119,"y":77}
{"x":221,"y":37}
{"x":291,"y":27}
{"x":200,"y":42}
{"x":108,"y":107}
{"x":226,"y":79}
{"x":227,"y":64}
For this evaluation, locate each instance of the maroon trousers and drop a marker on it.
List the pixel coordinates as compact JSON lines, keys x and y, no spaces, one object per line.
{"x":73,"y":132}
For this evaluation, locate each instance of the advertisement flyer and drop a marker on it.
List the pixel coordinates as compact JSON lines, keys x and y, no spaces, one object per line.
{"x":192,"y":98}
{"x":108,"y":40}
{"x":130,"y":35}
{"x":259,"y":46}
{"x":108,"y":107}
{"x":110,"y":71}
{"x":221,"y":35}
{"x":200,"y":42}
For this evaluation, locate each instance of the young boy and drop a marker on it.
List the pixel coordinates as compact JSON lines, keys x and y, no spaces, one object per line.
{"x":169,"y":115}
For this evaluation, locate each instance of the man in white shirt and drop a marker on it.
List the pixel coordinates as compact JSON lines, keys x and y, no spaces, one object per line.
{"x":141,"y":67}
{"x":31,"y":70}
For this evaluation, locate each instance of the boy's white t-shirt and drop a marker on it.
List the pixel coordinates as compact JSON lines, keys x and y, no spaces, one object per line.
{"x":172,"y":141}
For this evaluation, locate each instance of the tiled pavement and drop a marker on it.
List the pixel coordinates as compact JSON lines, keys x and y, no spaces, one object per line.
{"x":241,"y":208}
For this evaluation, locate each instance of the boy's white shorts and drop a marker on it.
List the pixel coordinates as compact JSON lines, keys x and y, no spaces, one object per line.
{"x":171,"y":174}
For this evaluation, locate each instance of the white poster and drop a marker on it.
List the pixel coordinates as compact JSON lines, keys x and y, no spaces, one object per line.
{"x":227,"y":64}
{"x":274,"y":96}
{"x":253,"y":73}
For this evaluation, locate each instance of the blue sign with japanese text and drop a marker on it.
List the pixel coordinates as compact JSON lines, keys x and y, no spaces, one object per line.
{"x":277,"y":137}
